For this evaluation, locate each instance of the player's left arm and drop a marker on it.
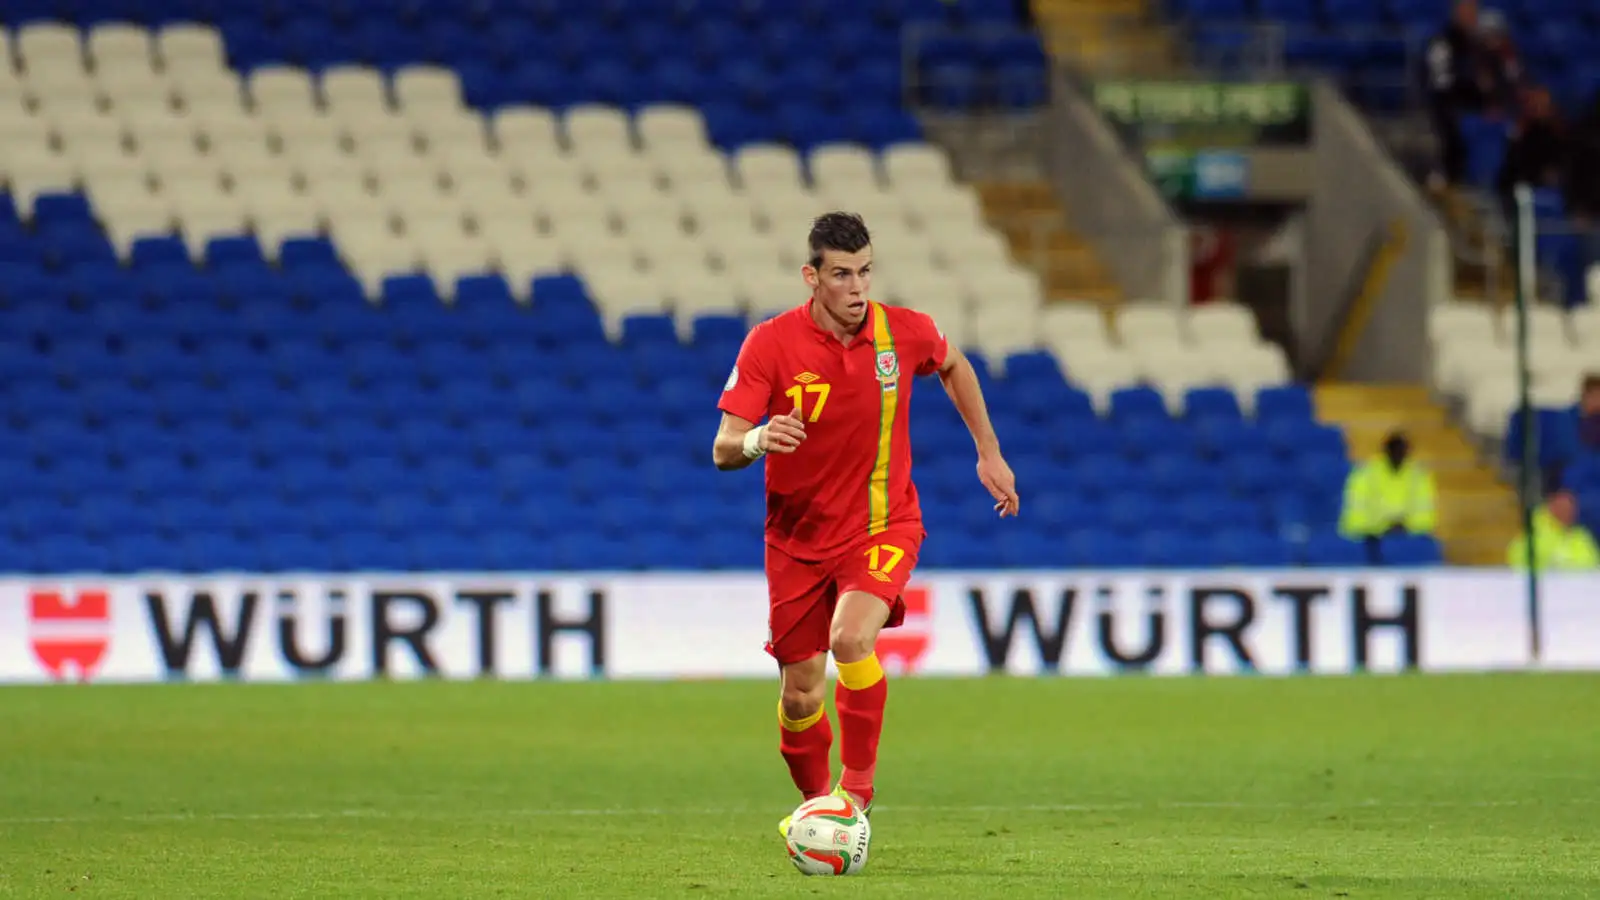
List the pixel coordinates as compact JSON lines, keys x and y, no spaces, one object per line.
{"x":961,"y":383}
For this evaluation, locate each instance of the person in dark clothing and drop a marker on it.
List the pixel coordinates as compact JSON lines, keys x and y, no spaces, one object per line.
{"x":1502,"y":64}
{"x":1454,"y":79}
{"x":1537,"y":155}
{"x":1586,"y":420}
{"x":1583,"y":176}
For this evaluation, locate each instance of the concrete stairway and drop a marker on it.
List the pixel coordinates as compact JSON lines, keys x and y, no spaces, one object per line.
{"x":1108,"y":36}
{"x":1028,"y":213}
{"x":1478,"y":512}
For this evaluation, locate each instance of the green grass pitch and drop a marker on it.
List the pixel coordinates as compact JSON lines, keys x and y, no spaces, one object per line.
{"x":1368,"y":787}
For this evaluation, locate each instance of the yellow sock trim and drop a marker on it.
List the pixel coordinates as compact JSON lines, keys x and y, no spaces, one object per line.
{"x":858,"y":676}
{"x":800,"y":724}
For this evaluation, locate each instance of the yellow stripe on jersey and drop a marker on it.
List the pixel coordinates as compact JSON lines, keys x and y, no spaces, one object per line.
{"x":883,"y":357}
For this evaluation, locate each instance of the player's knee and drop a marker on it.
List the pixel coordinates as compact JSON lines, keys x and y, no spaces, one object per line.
{"x":849,"y":642}
{"x":801,"y":702}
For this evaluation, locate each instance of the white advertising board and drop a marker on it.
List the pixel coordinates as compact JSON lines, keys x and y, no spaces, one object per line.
{"x":712,"y":625}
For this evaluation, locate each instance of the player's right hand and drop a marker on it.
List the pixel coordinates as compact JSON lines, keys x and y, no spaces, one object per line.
{"x":784,"y":434}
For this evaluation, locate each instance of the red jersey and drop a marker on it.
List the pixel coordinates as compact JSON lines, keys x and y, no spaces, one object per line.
{"x":851,"y":477}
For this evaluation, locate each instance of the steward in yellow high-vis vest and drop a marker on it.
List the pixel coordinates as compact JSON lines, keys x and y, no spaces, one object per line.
{"x":1390,"y":492}
{"x":1560,"y":542}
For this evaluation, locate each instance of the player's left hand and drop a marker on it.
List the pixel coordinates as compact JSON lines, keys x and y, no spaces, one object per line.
{"x":1002,"y":484}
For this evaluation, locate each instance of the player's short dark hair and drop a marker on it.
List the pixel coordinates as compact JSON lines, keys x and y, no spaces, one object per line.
{"x":841,"y":231}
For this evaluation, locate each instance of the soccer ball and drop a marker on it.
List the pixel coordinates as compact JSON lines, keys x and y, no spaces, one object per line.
{"x":828,"y":836}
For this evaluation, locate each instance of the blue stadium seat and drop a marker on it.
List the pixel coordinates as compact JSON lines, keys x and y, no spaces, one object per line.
{"x":1249,"y":548}
{"x":1220,"y":436}
{"x":1289,"y":401}
{"x":69,"y":554}
{"x":141,"y":552}
{"x":1174,"y":550}
{"x":1255,"y":473}
{"x":308,"y":252}
{"x":1328,"y":549}
{"x":1206,"y":404}
{"x":1131,"y":512}
{"x":1103,"y":550}
{"x":52,"y":208}
{"x":1065,"y":512}
{"x":1144,"y":435}
{"x":1411,"y":550}
{"x":1139,"y":402}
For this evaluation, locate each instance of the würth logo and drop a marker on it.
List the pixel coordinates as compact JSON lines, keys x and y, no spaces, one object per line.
{"x":901,"y":649}
{"x":69,"y":633}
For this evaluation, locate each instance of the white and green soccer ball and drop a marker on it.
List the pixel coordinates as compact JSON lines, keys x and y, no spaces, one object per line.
{"x":828,"y":836}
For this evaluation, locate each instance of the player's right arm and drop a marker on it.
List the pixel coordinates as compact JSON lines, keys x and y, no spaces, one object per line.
{"x":745,"y":400}
{"x":741,"y":442}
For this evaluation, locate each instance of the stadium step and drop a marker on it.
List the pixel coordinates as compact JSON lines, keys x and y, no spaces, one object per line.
{"x":1037,"y":228}
{"x":1108,"y":36}
{"x":1477,"y":510}
{"x":1482,"y":267}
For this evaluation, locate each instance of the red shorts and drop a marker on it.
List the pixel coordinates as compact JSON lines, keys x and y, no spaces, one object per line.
{"x":802,"y":595}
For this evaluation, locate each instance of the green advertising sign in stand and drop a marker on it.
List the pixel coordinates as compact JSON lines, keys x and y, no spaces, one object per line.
{"x":1209,"y":114}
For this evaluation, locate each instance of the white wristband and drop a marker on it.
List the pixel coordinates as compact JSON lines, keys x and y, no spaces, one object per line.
{"x":752,"y":443}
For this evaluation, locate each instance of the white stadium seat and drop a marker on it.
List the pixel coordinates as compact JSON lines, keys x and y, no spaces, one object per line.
{"x":1148,"y":322}
{"x":768,"y":167}
{"x":1221,"y":323}
{"x":931,"y":206}
{"x":527,"y":131}
{"x":118,"y":48}
{"x":845,"y":167}
{"x":212,"y":90}
{"x":592,"y":127}
{"x":48,"y":46}
{"x":1064,"y":325}
{"x":1101,"y":371}
{"x":424,"y":91}
{"x":913,"y":167}
{"x":691,"y":170}
{"x":186,"y":42}
{"x":1586,"y":326}
{"x":1461,"y":320}
{"x":278,"y":91}
{"x":353,"y":89}
{"x":670,"y":129}
{"x":1547,"y":326}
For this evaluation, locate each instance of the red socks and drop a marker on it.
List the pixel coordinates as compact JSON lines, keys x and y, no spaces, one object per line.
{"x":805,"y":744}
{"x":860,"y":696}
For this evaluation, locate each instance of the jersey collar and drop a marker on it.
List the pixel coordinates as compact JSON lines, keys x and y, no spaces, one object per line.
{"x":864,"y":336}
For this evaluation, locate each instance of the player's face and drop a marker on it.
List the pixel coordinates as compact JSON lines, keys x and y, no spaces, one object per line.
{"x":840,"y":285}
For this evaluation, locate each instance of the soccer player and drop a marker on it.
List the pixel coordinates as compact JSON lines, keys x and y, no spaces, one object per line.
{"x":833,"y":379}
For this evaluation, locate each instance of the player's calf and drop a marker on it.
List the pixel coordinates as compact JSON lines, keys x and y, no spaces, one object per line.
{"x":802,"y":702}
{"x":804,"y":735}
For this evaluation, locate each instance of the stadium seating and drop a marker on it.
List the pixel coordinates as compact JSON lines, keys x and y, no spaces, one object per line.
{"x":314,"y":430}
{"x":355,"y":302}
{"x":1475,"y":365}
{"x":1475,"y":362}
{"x":1374,"y":48}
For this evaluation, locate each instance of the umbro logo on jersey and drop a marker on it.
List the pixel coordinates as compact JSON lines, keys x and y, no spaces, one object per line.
{"x":807,"y":377}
